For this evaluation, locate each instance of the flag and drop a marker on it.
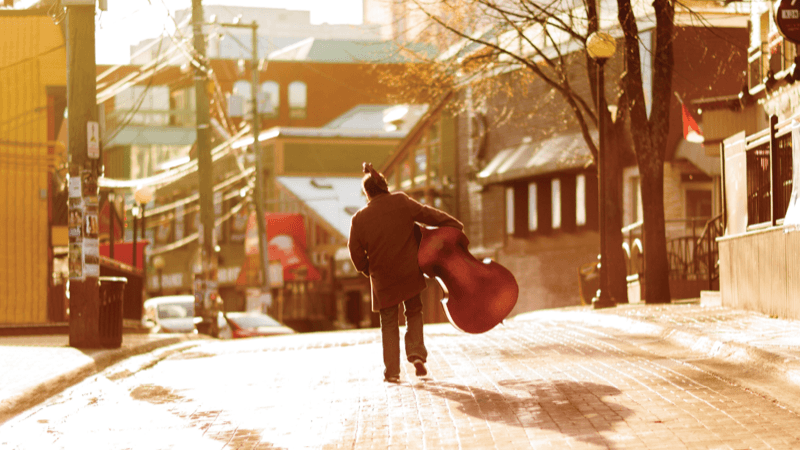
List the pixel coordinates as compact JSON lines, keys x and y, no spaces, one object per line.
{"x":691,"y":131}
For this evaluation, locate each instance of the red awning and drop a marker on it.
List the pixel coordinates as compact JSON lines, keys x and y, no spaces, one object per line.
{"x":123,"y":252}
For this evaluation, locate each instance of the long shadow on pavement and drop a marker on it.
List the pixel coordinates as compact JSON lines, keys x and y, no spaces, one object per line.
{"x":577,"y":409}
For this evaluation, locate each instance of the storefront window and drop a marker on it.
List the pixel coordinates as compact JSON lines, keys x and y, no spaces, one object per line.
{"x":405,"y":176}
{"x":420,"y":166}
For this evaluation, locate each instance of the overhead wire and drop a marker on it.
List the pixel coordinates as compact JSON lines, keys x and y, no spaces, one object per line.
{"x":132,"y":113}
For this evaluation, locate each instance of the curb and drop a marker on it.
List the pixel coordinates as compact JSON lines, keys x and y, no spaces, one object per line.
{"x":40,"y":392}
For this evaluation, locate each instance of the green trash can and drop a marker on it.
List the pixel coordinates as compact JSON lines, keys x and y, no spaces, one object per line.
{"x":112,"y":293}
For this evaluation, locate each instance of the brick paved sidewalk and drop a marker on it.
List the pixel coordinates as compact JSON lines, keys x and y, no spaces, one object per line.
{"x":36,"y":367}
{"x":555,"y":379}
{"x":764,"y":338}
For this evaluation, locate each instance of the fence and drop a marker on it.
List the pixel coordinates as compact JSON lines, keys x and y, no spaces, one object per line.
{"x":768,"y":156}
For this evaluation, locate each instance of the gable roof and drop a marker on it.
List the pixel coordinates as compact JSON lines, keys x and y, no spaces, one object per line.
{"x":556,"y":154}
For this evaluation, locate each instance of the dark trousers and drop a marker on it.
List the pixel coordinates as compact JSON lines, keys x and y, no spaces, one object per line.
{"x":390,"y":334}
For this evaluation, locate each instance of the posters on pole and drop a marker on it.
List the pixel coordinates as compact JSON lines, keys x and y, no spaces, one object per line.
{"x":75,"y":222}
{"x":91,"y":257}
{"x":89,"y":187}
{"x":74,"y":187}
{"x":91,"y":222}
{"x":76,"y":261}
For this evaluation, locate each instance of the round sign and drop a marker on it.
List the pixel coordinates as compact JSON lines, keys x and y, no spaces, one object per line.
{"x":787,"y":17}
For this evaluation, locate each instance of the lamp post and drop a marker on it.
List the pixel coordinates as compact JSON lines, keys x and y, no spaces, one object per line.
{"x":142,"y":196}
{"x":159,"y":263}
{"x":600,"y":47}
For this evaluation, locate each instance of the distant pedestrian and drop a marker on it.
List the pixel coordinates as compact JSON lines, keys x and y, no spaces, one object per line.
{"x":383,"y":246}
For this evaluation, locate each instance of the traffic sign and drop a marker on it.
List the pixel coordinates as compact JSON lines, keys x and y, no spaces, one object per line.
{"x":93,"y":139}
{"x":787,"y":17}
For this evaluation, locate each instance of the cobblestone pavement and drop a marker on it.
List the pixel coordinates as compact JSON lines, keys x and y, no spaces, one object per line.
{"x":547,"y":382}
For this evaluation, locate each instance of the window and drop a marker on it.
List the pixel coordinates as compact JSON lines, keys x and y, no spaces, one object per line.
{"x":533,"y":212}
{"x":555,"y":195}
{"x":420,"y":166}
{"x":510,"y":210}
{"x":405,"y":175}
{"x":151,"y":105}
{"x":297,"y":100}
{"x":242,"y":88}
{"x":698,"y":204}
{"x":580,"y":200}
{"x":270,"y":92}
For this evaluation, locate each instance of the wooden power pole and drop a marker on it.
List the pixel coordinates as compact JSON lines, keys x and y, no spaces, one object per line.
{"x":206,"y":286}
{"x":260,"y":195}
{"x":84,"y":170}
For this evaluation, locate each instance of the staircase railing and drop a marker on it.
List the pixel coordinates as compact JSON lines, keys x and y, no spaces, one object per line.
{"x":708,"y":249}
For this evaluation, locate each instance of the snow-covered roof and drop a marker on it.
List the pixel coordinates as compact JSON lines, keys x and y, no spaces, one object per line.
{"x":334,"y":199}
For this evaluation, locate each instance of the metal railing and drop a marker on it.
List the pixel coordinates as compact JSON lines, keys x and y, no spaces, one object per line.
{"x":758,"y":191}
{"x":768,"y":155}
{"x":692,"y":251}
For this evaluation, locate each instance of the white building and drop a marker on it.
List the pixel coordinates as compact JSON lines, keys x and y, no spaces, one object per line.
{"x":277,"y":29}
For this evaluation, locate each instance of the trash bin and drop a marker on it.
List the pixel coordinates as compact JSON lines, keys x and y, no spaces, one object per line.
{"x":112,"y":293}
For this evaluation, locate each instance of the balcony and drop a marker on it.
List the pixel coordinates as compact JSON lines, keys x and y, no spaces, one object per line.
{"x":774,"y":58}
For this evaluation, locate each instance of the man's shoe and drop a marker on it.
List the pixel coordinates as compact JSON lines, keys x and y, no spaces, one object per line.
{"x":392,"y":379}
{"x":420,"y":366}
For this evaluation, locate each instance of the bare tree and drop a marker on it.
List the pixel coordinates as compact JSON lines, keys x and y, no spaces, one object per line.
{"x":543,"y":43}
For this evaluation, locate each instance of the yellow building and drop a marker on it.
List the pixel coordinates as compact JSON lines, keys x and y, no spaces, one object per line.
{"x":32,"y":97}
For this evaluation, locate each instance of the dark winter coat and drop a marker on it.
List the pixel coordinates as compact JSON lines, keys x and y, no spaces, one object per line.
{"x":383,"y":246}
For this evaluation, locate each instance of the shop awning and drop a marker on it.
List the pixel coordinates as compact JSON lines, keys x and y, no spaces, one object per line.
{"x":529,"y":158}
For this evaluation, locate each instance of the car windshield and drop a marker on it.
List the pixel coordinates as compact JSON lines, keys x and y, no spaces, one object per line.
{"x":255,"y":321}
{"x":176,"y":310}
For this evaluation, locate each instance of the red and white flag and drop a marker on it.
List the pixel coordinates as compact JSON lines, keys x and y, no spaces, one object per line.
{"x":691,"y":131}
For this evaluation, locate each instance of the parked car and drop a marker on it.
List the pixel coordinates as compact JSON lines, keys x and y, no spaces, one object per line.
{"x":175,"y":314}
{"x":252,"y":324}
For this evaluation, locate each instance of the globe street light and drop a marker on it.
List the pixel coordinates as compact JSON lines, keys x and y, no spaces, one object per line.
{"x":141,"y":196}
{"x":601,"y":46}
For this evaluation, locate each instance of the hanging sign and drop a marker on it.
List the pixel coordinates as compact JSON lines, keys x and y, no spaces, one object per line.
{"x":787,"y":17}
{"x":93,"y":139}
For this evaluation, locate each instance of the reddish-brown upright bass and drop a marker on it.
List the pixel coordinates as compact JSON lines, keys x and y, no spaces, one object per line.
{"x":478,"y":295}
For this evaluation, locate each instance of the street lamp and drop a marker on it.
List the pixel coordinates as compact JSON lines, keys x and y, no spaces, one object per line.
{"x":600,"y":47}
{"x":159,"y":263}
{"x":141,"y":196}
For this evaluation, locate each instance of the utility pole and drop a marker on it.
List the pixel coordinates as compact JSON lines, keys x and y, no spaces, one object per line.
{"x":206,"y":286}
{"x":84,"y":170}
{"x":260,"y":197}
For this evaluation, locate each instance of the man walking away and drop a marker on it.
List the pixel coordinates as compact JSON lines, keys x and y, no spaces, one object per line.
{"x":383,"y":247}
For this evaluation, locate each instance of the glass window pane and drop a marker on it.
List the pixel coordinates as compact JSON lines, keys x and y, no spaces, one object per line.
{"x":297,"y":100}
{"x":533,"y":211}
{"x":272,"y":97}
{"x":405,"y":175}
{"x":420,"y":166}
{"x":510,"y":210}
{"x":555,"y":190}
{"x":580,"y":200}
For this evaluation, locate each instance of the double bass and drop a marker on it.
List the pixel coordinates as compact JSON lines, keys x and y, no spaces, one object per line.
{"x":478,"y":295}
